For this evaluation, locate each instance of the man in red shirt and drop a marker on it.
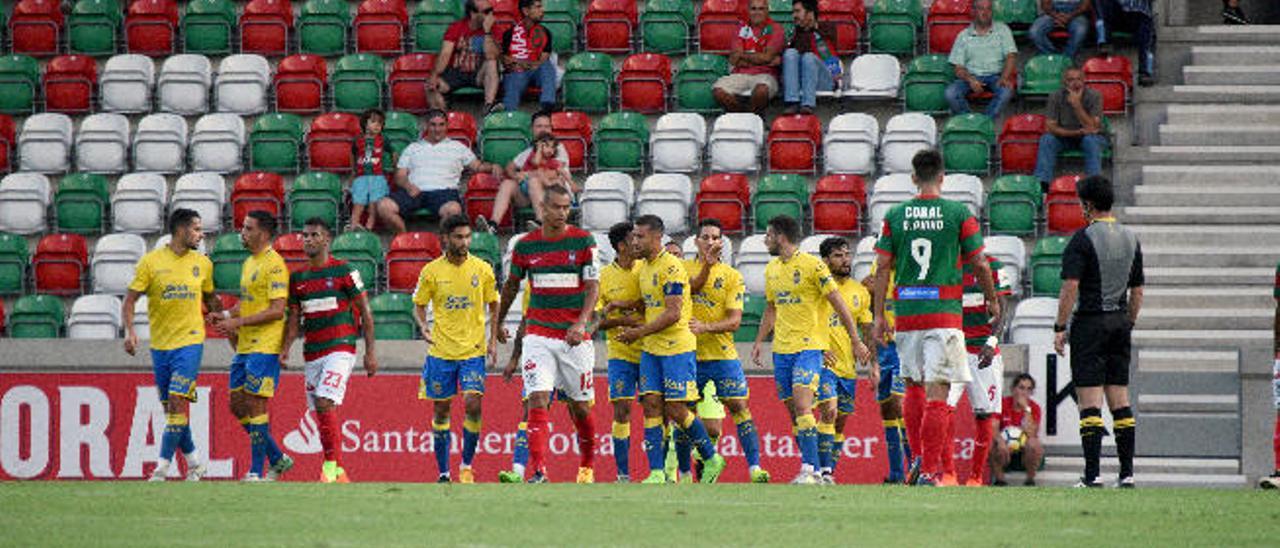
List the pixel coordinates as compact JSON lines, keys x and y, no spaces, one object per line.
{"x":756,"y":56}
{"x":1022,"y":412}
{"x":467,"y":58}
{"x":526,"y":53}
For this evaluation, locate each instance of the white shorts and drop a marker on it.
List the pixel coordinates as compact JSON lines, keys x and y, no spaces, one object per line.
{"x":327,"y":377}
{"x":551,"y":364}
{"x":933,"y":355}
{"x":985,"y":388}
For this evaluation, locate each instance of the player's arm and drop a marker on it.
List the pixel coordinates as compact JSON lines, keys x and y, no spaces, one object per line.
{"x":370,"y":350}
{"x":514,"y":361}
{"x":292,"y":325}
{"x":1066,"y":303}
{"x":274,"y":312}
{"x":420,"y":318}
{"x":1030,"y":426}
{"x":982,"y":271}
{"x":604,"y":323}
{"x":578,"y":331}
{"x":728,"y":324}
{"x":669,"y":316}
{"x":1136,"y":281}
{"x":766,"y":328}
{"x":510,"y":289}
{"x":699,"y":278}
{"x":860,"y":350}
{"x":879,"y":288}
{"x":496,"y":321}
{"x":126,"y":316}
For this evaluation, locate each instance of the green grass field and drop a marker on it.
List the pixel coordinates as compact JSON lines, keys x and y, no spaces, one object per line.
{"x":226,"y":514}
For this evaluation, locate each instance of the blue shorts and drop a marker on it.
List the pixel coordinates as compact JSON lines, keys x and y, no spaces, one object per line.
{"x":176,"y":371}
{"x":675,"y":376}
{"x":429,"y":200}
{"x":256,"y":374}
{"x":834,"y":387}
{"x":799,"y":369}
{"x":368,"y":189}
{"x":728,"y":376}
{"x":891,"y":383}
{"x":624,"y":379}
{"x":441,"y":378}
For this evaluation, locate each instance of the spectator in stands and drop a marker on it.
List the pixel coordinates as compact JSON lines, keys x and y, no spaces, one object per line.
{"x":1232,"y":14}
{"x":809,"y":64}
{"x":1073,"y":121}
{"x":522,"y":185}
{"x":1018,"y":411}
{"x":984,"y":57}
{"x":1072,"y":15}
{"x":1136,"y":16}
{"x":374,"y":158}
{"x":428,"y":173}
{"x":755,"y":58}
{"x":526,"y":57}
{"x":468,"y":58}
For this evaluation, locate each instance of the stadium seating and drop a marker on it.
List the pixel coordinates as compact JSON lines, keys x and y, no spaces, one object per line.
{"x":967,"y":143}
{"x":207,"y":26}
{"x":114,"y":257}
{"x":573,"y":131}
{"x":776,"y":195}
{"x":315,"y":194}
{"x":141,"y":318}
{"x":664,"y":26}
{"x":19,"y":84}
{"x":669,"y":196}
{"x":14,"y":255}
{"x":946,"y":19}
{"x":694,"y":78}
{"x":1014,"y":205}
{"x":735,"y":142}
{"x":506,"y":13}
{"x":36,"y":317}
{"x":1042,"y":75}
{"x":256,"y":191}
{"x":608,"y":25}
{"x":80,"y":203}
{"x":44,"y":146}
{"x":60,"y":264}
{"x":125,"y":84}
{"x":160,"y":143}
{"x":925,"y":82}
{"x":70,"y":84}
{"x":138,"y":204}
{"x":873,"y":76}
{"x":183,"y":84}
{"x":794,"y":143}
{"x":607,"y":197}
{"x":836,"y":204}
{"x":151,"y":26}
{"x":429,"y":22}
{"x":1112,"y":76}
{"x":408,"y":81}
{"x":864,"y":256}
{"x":850,"y":144}
{"x":357,"y":83}
{"x":1046,"y":265}
{"x":848,"y":17}
{"x":379,"y":26}
{"x":102,"y":144}
{"x":675,"y":146}
{"x":331,"y":142}
{"x":718,"y":24}
{"x":893,"y":26}
{"x":8,"y":137}
{"x":643,"y":82}
{"x":478,"y":200}
{"x":485,"y":246}
{"x":290,"y":248}
{"x":562,"y":18}
{"x":204,"y":193}
{"x":408,"y":253}
{"x":604,"y":250}
{"x":363,"y":250}
{"x":905,"y":135}
{"x":1012,"y":254}
{"x":393,"y":317}
{"x":1062,"y":210}
{"x":725,"y":197}
{"x":966,"y":189}
{"x":275,"y":143}
{"x":888,"y":191}
{"x":503,"y":135}
{"x":1018,"y":14}
{"x":228,"y":256}
{"x":24,"y":199}
{"x":1033,"y":320}
{"x":322,"y":27}
{"x":620,"y":142}
{"x":752,"y":311}
{"x":265,"y":26}
{"x":461,"y":127}
{"x":300,"y":82}
{"x":812,"y":244}
{"x":752,"y":258}
{"x":93,"y":27}
{"x":217,"y":143}
{"x":1020,"y":142}
{"x":36,"y":27}
{"x":588,"y":84}
{"x":242,"y":84}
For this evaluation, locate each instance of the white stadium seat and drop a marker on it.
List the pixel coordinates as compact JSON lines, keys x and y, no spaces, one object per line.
{"x":24,"y":203}
{"x":160,"y":144}
{"x":126,"y":83}
{"x":1033,"y":320}
{"x":203,"y":192}
{"x":606,"y":198}
{"x":888,"y":191}
{"x":753,"y":257}
{"x":864,"y":255}
{"x":137,"y":205}
{"x":811,"y":244}
{"x":94,"y":317}
{"x":605,"y":253}
{"x":690,"y":249}
{"x":837,"y":90}
{"x":164,"y":240}
{"x":675,"y":146}
{"x":850,"y":144}
{"x":905,"y":135}
{"x":873,"y":76}
{"x":113,"y":261}
{"x":669,"y":196}
{"x":102,"y":144}
{"x":183,"y":86}
{"x":44,"y":145}
{"x":141,"y":318}
{"x":242,"y":84}
{"x":735,"y":142}
{"x":217,"y":143}
{"x":966,"y":189}
{"x":1012,"y":253}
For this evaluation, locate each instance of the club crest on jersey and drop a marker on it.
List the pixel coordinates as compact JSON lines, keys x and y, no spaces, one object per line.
{"x":719,"y":283}
{"x":572,"y":256}
{"x":329,"y":283}
{"x":475,"y":280}
{"x":655,"y":279}
{"x":795,"y":276}
{"x":195,"y":271}
{"x":253,"y":277}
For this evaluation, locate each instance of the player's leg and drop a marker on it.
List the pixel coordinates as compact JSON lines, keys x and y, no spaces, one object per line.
{"x":913,"y":404}
{"x":651,"y":403}
{"x":1088,"y":375}
{"x":1273,"y":481}
{"x":262,"y":375}
{"x":680,"y":388}
{"x":1032,"y":454}
{"x":731,"y":388}
{"x":805,"y":372}
{"x":999,"y":459}
{"x":623,"y":378}
{"x":825,"y":401}
{"x":1116,"y":389}
{"x":576,"y":381}
{"x":472,"y":379}
{"x":239,"y":403}
{"x":846,"y":396}
{"x":944,"y":364}
{"x":985,"y":396}
{"x":889,"y":395}
{"x":539,"y":373}
{"x":439,"y":386}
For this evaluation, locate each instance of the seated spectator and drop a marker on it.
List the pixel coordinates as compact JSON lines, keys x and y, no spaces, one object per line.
{"x":468,"y":58}
{"x":374,"y":158}
{"x":1073,"y":121}
{"x":523,"y":186}
{"x":1135,"y":16}
{"x":526,"y":57}
{"x":809,"y":64}
{"x":428,"y":174}
{"x":1232,"y":14}
{"x":1072,"y":15}
{"x":1022,"y":412}
{"x":984,"y":57}
{"x":755,"y":58}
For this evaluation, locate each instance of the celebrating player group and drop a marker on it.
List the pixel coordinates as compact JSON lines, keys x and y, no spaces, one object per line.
{"x":932,"y":306}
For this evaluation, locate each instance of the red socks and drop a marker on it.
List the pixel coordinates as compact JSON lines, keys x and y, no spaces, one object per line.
{"x":539,"y":433}
{"x":913,"y":417}
{"x":328,"y":424}
{"x":936,"y":416}
{"x":981,"y":449}
{"x":1275,"y":442}
{"x":586,"y":427}
{"x":948,"y":444}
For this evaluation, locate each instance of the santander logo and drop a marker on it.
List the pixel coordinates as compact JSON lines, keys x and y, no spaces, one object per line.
{"x":306,"y":438}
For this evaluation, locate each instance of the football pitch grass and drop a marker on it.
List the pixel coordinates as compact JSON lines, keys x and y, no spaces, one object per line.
{"x":296,"y":514}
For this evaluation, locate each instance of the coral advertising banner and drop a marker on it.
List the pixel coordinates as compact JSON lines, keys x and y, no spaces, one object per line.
{"x":103,"y":426}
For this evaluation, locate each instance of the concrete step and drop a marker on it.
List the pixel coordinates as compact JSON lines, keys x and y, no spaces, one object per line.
{"x":1200,"y":339}
{"x":1204,"y":154}
{"x":1220,"y":176}
{"x":1262,"y":236}
{"x":1209,"y":215}
{"x":1222,"y":256}
{"x":1200,"y":276}
{"x":1227,"y":93}
{"x":1188,"y":403}
{"x":1217,"y":134}
{"x":1218,"y":195}
{"x":1218,"y":33}
{"x":1147,"y":465}
{"x":1181,"y":434}
{"x":1161,"y":360}
{"x":1205,"y":318}
{"x":1190,"y":114}
{"x":1235,"y":55}
{"x":1202,"y":297}
{"x":1145,"y":481}
{"x":1231,"y":74}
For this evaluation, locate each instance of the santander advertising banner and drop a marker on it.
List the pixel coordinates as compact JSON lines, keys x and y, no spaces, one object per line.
{"x":104,"y":426}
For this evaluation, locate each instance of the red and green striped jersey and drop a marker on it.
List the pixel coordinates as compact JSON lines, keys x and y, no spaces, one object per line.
{"x":927,"y":237}
{"x":557,"y":270}
{"x":1277,"y":295}
{"x":325,"y":295}
{"x":977,"y":321}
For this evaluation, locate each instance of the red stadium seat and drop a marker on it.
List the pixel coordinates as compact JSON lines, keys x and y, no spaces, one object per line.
{"x":725,"y":197}
{"x":506,"y":13}
{"x":265,"y":26}
{"x":643,"y":82}
{"x":462,"y":127}
{"x":2,"y":315}
{"x":70,"y":82}
{"x":408,"y":253}
{"x":35,"y":27}
{"x":718,"y":24}
{"x":573,"y":130}
{"x":289,"y":246}
{"x":609,"y":25}
{"x":1113,"y":77}
{"x":408,"y":79}
{"x":945,"y":21}
{"x":331,"y":142}
{"x":794,"y":141}
{"x":151,"y":26}
{"x":1062,"y":208}
{"x":837,"y":203}
{"x":7,"y":131}
{"x":379,"y":26}
{"x":227,"y":300}
{"x":256,"y":191}
{"x":482,"y":191}
{"x":300,"y":82}
{"x":1020,"y":142}
{"x":60,"y":264}
{"x":849,"y":18}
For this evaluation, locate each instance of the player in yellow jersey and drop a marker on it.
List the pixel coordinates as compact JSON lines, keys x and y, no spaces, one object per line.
{"x":458,"y":286}
{"x":257,"y":325}
{"x":177,"y":281}
{"x":796,"y":284}
{"x":890,"y":393}
{"x":839,"y":380}
{"x":616,"y":310}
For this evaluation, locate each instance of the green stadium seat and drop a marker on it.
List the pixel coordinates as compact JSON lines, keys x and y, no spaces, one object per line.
{"x":967,"y":142}
{"x":893,"y":26}
{"x":752,"y":312}
{"x":228,"y":256}
{"x":37,"y":317}
{"x":694,"y":77}
{"x":393,"y":317}
{"x":315,"y":194}
{"x":429,"y":22}
{"x":92,"y":27}
{"x":275,"y":143}
{"x":1046,"y":266}
{"x":80,"y":204}
{"x":924,"y":84}
{"x":1014,"y":205}
{"x":357,"y":83}
{"x":1042,"y":75}
{"x":400,"y":129}
{"x":207,"y":26}
{"x":19,"y":84}
{"x":486,"y":246}
{"x":322,"y":27}
{"x":1107,"y":152}
{"x":14,"y":256}
{"x":562,"y":17}
{"x":503,"y":135}
{"x":364,"y":251}
{"x":588,"y":82}
{"x":779,"y":194}
{"x":1018,"y":14}
{"x":620,"y":140}
{"x":665,"y":24}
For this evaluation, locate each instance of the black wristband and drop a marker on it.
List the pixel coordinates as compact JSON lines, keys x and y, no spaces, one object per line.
{"x":1059,"y":328}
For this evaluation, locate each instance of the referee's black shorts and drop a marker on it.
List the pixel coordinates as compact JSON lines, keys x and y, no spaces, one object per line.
{"x":1100,"y":349}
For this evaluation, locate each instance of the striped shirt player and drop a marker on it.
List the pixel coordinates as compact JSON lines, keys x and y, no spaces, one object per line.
{"x":1273,"y":481}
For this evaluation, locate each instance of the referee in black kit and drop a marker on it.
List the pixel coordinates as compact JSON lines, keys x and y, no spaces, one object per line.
{"x":1102,"y":283}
